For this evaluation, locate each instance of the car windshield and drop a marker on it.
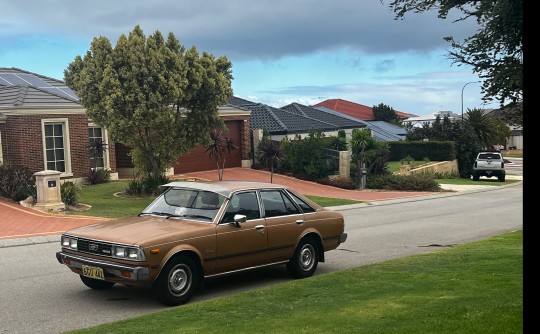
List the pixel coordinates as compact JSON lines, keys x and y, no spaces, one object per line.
{"x":186,"y":203}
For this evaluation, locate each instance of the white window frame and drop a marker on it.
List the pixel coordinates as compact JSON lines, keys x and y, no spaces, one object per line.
{"x":105,"y":135}
{"x":67,"y":146}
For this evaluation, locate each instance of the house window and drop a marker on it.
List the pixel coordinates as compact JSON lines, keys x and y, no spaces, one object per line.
{"x":56,"y":153}
{"x":56,"y":145}
{"x":97,"y":148}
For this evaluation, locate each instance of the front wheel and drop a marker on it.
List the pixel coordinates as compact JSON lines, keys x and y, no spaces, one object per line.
{"x":177,"y":281}
{"x":305,"y":259}
{"x":96,"y":284}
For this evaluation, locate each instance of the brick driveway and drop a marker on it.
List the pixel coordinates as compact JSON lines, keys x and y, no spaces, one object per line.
{"x":17,"y":221}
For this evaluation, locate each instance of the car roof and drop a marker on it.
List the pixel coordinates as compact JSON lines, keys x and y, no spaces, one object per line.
{"x":224,"y":188}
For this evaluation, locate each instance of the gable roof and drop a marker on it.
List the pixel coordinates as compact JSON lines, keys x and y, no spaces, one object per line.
{"x":334,"y":119}
{"x":353,"y":109}
{"x":381,"y":131}
{"x":279,"y":121}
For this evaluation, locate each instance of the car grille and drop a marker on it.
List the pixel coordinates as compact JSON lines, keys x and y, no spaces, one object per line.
{"x":94,"y":247}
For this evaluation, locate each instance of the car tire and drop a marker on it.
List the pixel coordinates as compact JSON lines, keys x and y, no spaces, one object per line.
{"x":96,"y":284}
{"x":501,"y":178}
{"x":177,"y":281}
{"x":305,"y":259}
{"x":475,"y":177}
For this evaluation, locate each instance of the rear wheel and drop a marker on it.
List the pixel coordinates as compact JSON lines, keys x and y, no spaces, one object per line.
{"x":501,"y":178}
{"x":177,"y":281}
{"x":305,"y":259}
{"x":96,"y":284}
{"x":475,"y":177}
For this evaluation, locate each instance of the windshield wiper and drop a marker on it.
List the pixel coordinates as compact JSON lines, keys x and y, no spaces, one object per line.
{"x":156,"y":213}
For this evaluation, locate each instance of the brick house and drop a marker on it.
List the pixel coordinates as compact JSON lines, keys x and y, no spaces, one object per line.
{"x":43,"y":127}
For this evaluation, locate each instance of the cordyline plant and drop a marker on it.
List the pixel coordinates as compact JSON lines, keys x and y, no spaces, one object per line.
{"x":218,"y":148}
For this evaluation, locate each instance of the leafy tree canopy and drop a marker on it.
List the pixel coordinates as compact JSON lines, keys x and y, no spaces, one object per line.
{"x":152,"y":94}
{"x":382,"y":112}
{"x":495,"y":52}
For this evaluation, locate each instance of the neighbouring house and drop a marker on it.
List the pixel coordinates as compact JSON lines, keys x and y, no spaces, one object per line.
{"x":236,"y":120}
{"x":293,"y":120}
{"x":380,"y":130}
{"x":355,"y":110}
{"x":515,"y":142}
{"x":43,"y":127}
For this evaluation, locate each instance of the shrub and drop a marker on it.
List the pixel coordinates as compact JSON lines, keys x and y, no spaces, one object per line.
{"x":16,"y":183}
{"x":146,"y":186}
{"x":70,"y":193}
{"x":420,"y":182}
{"x":339,"y":182}
{"x":97,"y":176}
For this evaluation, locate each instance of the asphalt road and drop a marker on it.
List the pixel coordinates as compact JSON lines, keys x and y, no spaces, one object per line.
{"x":38,"y":295}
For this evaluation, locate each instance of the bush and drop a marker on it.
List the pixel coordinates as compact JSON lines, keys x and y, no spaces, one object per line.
{"x":146,"y":186}
{"x":70,"y":193}
{"x":97,"y":176}
{"x":339,"y":182}
{"x":16,"y":183}
{"x":420,"y":182}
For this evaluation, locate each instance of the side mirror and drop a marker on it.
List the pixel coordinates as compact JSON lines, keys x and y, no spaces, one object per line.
{"x":239,"y":219}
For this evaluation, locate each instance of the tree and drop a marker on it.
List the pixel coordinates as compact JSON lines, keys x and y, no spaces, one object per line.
{"x":382,"y":112}
{"x":495,"y":52}
{"x":502,"y":132}
{"x":483,"y":127}
{"x":461,"y":133}
{"x":270,"y":151}
{"x":360,"y":140}
{"x":217,"y":149}
{"x":152,"y":94}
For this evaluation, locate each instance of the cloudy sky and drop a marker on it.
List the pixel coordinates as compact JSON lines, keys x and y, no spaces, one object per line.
{"x":282,"y":51}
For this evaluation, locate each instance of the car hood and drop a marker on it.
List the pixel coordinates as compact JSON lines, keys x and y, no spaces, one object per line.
{"x":144,"y":230}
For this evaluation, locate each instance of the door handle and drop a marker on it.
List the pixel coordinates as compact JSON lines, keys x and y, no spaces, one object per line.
{"x":299,"y":222}
{"x":259,"y":227}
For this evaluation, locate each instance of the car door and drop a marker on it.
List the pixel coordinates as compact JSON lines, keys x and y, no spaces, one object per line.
{"x":284,"y":224}
{"x":243,"y":245}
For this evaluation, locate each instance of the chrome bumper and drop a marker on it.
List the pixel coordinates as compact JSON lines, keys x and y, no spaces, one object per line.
{"x":136,"y":273}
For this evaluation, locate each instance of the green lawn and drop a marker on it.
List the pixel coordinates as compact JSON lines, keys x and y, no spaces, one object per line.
{"x":106,"y":201}
{"x":471,"y":288}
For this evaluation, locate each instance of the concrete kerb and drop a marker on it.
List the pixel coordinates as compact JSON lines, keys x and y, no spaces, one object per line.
{"x":33,"y":240}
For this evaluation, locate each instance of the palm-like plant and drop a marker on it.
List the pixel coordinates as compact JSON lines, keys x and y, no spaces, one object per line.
{"x":97,"y":147}
{"x":270,"y":151}
{"x":361,"y":138}
{"x":217,"y":148}
{"x":483,"y":127}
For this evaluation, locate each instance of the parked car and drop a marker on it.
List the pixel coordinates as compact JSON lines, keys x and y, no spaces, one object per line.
{"x":489,"y":164}
{"x":198,"y":230}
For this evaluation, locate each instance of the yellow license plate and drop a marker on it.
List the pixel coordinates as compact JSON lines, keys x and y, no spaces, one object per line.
{"x":93,"y":272}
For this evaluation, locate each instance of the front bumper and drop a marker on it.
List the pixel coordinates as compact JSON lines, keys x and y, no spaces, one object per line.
{"x":114,"y":270}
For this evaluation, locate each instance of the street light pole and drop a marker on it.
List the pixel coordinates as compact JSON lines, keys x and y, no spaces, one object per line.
{"x":462,"y":89}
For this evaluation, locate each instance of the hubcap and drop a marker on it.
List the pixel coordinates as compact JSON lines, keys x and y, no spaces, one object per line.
{"x":307,"y":257}
{"x":179,"y":280}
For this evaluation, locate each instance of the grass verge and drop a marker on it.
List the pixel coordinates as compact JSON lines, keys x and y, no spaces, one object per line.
{"x":470,"y":288}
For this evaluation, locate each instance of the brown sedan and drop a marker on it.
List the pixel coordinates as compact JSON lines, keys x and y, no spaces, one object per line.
{"x":196,"y":230}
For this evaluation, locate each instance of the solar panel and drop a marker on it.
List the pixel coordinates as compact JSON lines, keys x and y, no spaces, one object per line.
{"x":33,"y":80}
{"x":13,"y":80}
{"x":63,"y":92}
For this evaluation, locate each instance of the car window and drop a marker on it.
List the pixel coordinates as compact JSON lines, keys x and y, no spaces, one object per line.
{"x":277,"y":204}
{"x":244,"y":203}
{"x":489,"y":156}
{"x":301,"y":203}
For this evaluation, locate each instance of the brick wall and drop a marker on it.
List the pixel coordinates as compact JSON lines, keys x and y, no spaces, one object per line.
{"x":22,"y":142}
{"x":197,"y":159}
